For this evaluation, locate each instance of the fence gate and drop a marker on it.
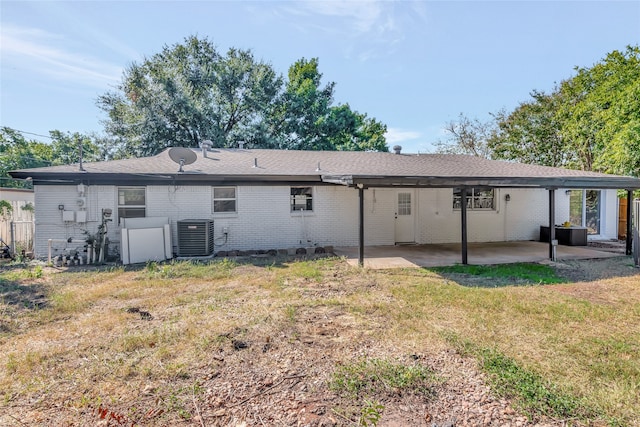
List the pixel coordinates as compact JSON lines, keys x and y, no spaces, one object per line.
{"x":636,"y":232}
{"x":16,"y":227}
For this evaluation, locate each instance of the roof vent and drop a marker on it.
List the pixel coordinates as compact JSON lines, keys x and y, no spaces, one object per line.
{"x":206,"y":146}
{"x":397,"y":149}
{"x":241,"y":145}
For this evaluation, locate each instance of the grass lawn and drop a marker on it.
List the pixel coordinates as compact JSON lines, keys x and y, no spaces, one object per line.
{"x":147,"y":345}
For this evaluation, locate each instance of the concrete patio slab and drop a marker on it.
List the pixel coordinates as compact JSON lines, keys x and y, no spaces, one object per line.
{"x":401,"y":256}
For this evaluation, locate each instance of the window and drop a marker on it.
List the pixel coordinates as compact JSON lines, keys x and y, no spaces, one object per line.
{"x":478,"y":198}
{"x":301,"y":199}
{"x":404,"y":203}
{"x":224,"y":200}
{"x":131,"y":202}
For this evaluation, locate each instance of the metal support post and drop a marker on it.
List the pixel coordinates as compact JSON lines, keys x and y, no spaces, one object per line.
{"x":361,"y":231}
{"x":552,"y":227}
{"x":463,"y":220}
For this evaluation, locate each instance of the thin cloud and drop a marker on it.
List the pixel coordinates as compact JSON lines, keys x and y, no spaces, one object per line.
{"x":35,"y":50}
{"x":395,"y":135}
{"x":83,"y":28}
{"x":367,"y":29}
{"x":364,"y":15}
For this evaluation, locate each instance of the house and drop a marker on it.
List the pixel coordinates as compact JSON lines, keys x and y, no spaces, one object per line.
{"x":274,"y":199}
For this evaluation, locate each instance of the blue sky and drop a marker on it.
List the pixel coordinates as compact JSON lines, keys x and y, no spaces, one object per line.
{"x":412,"y":65}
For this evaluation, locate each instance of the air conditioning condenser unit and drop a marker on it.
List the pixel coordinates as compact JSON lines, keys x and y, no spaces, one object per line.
{"x":195,"y":237}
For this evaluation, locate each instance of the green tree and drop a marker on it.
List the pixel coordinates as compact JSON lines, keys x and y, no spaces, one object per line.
{"x":189,"y":93}
{"x":532,"y":134}
{"x":304,"y":108}
{"x":65,"y":148}
{"x":16,"y":152}
{"x":601,"y":115}
{"x":348,"y":130}
{"x":305,"y":118}
{"x":109,"y":147}
{"x":590,"y":121}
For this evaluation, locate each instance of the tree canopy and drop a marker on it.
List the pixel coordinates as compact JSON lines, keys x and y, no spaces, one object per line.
{"x":18,"y":152}
{"x":189,"y":92}
{"x":590,"y":121}
{"x":467,"y":136}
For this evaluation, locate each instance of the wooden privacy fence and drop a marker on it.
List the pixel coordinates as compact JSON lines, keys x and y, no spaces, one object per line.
{"x":636,"y":232}
{"x":17,"y":227}
{"x":622,"y":218}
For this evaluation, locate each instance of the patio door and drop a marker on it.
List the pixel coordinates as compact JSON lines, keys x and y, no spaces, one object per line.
{"x":585,"y":209}
{"x":593,"y":213}
{"x":404,"y":216}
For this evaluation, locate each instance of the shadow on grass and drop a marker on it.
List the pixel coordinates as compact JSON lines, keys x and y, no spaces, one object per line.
{"x":272,"y":261}
{"x":18,"y":298}
{"x":596,"y":269}
{"x":32,"y":296}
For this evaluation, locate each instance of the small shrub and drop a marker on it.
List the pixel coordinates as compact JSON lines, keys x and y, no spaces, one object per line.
{"x":5,"y":209}
{"x":291,"y":311}
{"x":371,"y":413}
{"x":35,"y":272}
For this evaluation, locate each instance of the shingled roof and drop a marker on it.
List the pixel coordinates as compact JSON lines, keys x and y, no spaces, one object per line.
{"x":331,"y":167}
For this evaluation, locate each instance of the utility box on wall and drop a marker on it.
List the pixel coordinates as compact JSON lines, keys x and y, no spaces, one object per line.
{"x":68,"y":216}
{"x":195,"y":237}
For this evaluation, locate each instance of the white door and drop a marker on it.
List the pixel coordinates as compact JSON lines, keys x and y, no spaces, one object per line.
{"x":404,"y":216}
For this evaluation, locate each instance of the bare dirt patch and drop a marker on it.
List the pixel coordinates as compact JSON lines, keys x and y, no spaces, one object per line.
{"x":254,"y":348}
{"x":596,"y":269}
{"x":600,"y":281}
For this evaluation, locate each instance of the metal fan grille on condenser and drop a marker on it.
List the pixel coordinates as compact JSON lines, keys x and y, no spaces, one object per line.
{"x":195,"y":237}
{"x":182,"y":156}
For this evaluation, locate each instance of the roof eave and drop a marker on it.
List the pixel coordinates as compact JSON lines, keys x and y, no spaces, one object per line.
{"x":578,"y":182}
{"x":187,"y":178}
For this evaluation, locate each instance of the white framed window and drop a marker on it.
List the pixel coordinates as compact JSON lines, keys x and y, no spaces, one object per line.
{"x":301,"y":199}
{"x":404,"y":203}
{"x":132,"y":202}
{"x":225,"y":200}
{"x":478,"y":198}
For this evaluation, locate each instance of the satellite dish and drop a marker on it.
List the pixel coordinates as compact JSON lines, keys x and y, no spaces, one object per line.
{"x":182,"y":156}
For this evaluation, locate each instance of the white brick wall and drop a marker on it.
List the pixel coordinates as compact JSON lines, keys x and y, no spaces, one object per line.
{"x":48,"y":218}
{"x":264,"y":220}
{"x":518,"y":219}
